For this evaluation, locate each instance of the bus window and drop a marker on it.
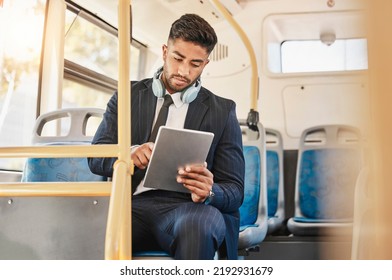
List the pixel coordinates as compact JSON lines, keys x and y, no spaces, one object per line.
{"x":89,"y":45}
{"x":318,"y":56}
{"x":91,"y":60}
{"x":21,"y":30}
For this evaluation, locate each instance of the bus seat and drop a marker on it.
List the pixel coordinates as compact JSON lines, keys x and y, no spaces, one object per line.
{"x":253,"y":212}
{"x":74,"y":123}
{"x":364,"y":216}
{"x":146,"y":255}
{"x":56,"y":227}
{"x":329,"y":161}
{"x":275,"y":185}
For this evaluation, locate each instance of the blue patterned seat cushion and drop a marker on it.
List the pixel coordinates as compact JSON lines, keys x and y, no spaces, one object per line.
{"x":317,"y":221}
{"x":58,"y":170}
{"x":249,"y":208}
{"x":326,"y":183}
{"x":272,"y":182}
{"x":156,"y":254}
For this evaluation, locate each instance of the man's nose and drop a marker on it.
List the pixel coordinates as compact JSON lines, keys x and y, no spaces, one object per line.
{"x":183,"y":70}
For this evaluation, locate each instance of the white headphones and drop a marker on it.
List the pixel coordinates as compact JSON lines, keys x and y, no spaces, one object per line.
{"x":187,"y":95}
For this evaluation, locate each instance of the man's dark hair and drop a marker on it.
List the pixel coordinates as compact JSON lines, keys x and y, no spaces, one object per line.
{"x":193,"y":28}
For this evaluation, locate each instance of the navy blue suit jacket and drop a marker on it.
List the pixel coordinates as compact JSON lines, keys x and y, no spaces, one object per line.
{"x":207,"y":112}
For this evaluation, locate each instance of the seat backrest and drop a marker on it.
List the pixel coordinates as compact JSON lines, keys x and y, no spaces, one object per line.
{"x":250,"y":207}
{"x":253,"y":212}
{"x":56,"y":227}
{"x":275,"y":183}
{"x":73,"y":123}
{"x":329,"y":161}
{"x":364,"y":217}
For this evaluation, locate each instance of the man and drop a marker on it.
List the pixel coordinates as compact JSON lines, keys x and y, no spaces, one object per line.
{"x":195,"y":225}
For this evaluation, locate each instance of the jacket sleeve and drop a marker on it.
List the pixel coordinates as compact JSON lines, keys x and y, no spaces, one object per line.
{"x":106,"y":134}
{"x":229,"y":167}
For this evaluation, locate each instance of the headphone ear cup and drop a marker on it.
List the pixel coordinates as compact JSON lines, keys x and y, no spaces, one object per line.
{"x":158,"y":87}
{"x":190,"y":93}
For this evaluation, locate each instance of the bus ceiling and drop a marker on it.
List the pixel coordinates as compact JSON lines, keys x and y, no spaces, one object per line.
{"x":153,"y":33}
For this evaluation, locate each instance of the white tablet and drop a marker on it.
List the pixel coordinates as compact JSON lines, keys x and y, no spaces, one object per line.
{"x":175,"y":148}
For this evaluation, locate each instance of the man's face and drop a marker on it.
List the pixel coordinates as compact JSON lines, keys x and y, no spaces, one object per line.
{"x":183,"y":64}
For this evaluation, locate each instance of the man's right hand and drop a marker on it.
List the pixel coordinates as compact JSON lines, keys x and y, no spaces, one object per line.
{"x":141,"y":155}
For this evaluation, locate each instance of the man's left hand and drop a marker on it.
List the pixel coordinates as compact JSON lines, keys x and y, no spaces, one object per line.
{"x":198,"y":180}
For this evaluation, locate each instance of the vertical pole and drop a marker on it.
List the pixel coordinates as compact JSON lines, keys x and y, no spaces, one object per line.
{"x":118,"y":244}
{"x":124,"y":122}
{"x":380,"y":61}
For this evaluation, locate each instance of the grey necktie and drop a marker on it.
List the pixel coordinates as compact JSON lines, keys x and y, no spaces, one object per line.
{"x":162,"y":116}
{"x":161,"y":120}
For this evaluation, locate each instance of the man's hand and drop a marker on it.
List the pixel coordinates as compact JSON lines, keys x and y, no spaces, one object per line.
{"x":198,"y":179}
{"x":141,"y":155}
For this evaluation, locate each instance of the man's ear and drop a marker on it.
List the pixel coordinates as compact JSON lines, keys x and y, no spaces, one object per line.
{"x":164,"y":51}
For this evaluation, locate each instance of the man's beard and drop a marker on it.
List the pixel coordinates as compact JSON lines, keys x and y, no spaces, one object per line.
{"x":173,"y":87}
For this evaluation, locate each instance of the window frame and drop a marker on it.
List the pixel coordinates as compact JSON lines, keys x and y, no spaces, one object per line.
{"x":90,"y":78}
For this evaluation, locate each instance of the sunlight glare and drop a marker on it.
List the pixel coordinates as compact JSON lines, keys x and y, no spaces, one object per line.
{"x":20,"y":30}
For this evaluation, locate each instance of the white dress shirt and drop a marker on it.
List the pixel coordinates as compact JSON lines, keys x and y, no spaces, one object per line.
{"x":175,"y":119}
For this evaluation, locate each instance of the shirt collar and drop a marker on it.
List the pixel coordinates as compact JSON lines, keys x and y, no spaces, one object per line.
{"x":176,"y":99}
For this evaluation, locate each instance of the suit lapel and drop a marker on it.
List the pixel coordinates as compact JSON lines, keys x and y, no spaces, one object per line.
{"x":144,"y":113}
{"x":196,"y":111}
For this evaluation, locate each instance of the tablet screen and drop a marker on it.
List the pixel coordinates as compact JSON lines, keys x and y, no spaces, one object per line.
{"x":175,"y":148}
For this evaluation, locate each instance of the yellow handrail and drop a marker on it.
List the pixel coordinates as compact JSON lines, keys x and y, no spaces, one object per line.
{"x":60,"y":151}
{"x":118,"y":232}
{"x":255,"y":80}
{"x":118,"y":243}
{"x":61,"y":189}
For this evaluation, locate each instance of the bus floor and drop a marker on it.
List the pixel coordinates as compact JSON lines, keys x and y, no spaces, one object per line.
{"x":302,"y":248}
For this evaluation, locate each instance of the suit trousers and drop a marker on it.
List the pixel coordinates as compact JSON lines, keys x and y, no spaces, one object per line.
{"x":170,"y":221}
